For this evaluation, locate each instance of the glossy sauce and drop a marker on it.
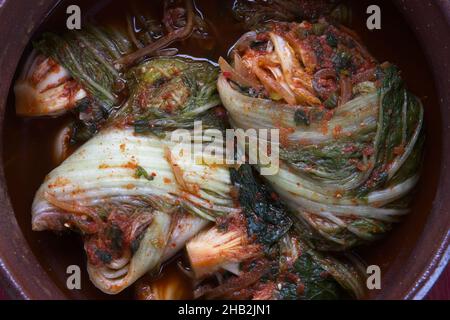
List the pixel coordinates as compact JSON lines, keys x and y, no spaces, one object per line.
{"x":29,"y":143}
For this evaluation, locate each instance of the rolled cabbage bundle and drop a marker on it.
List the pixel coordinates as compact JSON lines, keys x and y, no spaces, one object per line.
{"x":130,"y":192}
{"x":256,"y":254}
{"x":83,"y":70}
{"x":351,"y":135}
{"x":75,"y":69}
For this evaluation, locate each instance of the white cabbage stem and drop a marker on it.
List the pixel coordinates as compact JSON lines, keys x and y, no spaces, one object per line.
{"x":45,"y":88}
{"x":103,"y":173}
{"x":246,"y":112}
{"x":147,"y":257}
{"x":215,"y":250}
{"x":105,"y":169}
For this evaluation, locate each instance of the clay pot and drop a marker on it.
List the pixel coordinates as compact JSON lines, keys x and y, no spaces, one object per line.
{"x":412,"y":256}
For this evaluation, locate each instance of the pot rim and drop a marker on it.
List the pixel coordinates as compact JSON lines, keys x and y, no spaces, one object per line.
{"x":431,"y":35}
{"x":37,"y":284}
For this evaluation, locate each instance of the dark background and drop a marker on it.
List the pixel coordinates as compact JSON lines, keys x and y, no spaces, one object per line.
{"x":441,"y":290}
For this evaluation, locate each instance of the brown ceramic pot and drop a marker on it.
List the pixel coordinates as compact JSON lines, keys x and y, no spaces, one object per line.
{"x":412,"y":258}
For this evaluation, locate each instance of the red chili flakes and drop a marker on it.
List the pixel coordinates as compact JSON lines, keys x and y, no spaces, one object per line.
{"x":176,"y":71}
{"x":284,"y":136}
{"x":300,"y":289}
{"x":338,"y":195}
{"x":263,"y":37}
{"x":226,"y":74}
{"x":329,"y":115}
{"x":398,"y":151}
{"x":361,"y":167}
{"x":167,"y":95}
{"x":350,"y":148}
{"x":143,"y":99}
{"x":265,"y":292}
{"x":337,"y":131}
{"x":130,"y":165}
{"x":369,"y":151}
{"x":59,"y":182}
{"x":324,"y":127}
